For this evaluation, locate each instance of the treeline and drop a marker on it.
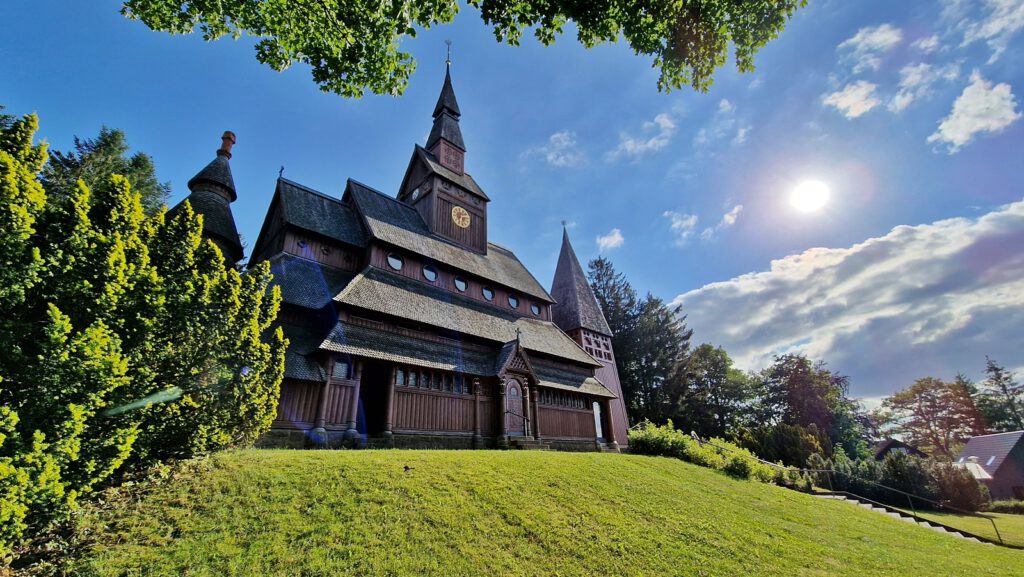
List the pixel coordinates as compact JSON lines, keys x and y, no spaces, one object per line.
{"x":125,"y":340}
{"x":794,"y":408}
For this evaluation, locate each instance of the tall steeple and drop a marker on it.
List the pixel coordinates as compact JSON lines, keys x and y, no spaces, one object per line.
{"x":213,"y":191}
{"x":577,"y":306}
{"x":445,"y":140}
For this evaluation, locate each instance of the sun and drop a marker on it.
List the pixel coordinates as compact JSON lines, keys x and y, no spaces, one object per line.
{"x":809,"y":196}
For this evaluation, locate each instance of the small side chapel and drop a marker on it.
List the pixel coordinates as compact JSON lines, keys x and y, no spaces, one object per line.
{"x":408,"y":328}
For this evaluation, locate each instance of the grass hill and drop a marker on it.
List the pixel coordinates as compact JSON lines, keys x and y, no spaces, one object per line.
{"x":305,"y":513}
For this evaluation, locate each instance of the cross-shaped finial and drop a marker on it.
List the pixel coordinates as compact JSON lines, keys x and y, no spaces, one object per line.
{"x":448,"y":59}
{"x":564,"y":223}
{"x":518,"y":334}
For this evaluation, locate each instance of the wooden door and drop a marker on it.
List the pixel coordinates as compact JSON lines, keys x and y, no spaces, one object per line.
{"x":514,"y":410}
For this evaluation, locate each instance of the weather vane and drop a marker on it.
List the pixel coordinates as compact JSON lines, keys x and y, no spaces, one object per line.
{"x":280,"y":173}
{"x":564,"y":222}
{"x":448,"y":59}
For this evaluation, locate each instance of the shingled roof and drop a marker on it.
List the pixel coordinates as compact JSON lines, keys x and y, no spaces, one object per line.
{"x":388,"y":346}
{"x":298,"y":364}
{"x":464,"y":180}
{"x":217,"y":219}
{"x":560,"y":378}
{"x":577,"y":307}
{"x":446,"y":116}
{"x":381,"y":291}
{"x":218,"y":173}
{"x":316,"y":212}
{"x":991,"y":450}
{"x":397,"y":223}
{"x":306,"y":283}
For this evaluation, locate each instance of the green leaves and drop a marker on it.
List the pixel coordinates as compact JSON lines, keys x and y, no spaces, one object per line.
{"x":353,"y":46}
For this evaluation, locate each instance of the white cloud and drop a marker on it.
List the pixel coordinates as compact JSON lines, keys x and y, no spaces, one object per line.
{"x":728,"y":219}
{"x":662,"y":127}
{"x":865,"y":48}
{"x":559,"y":151}
{"x":917,"y":82}
{"x":981,"y":107}
{"x":999,"y":23}
{"x":930,"y":299}
{"x":682,"y":225}
{"x":723,"y":123}
{"x":854,"y":99}
{"x":613,"y":239}
{"x":927,"y":45}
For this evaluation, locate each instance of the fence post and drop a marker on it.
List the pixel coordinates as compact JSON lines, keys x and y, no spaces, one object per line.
{"x":911,"y":501}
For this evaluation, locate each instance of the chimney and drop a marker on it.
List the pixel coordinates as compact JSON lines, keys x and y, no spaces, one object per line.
{"x":226,"y":142}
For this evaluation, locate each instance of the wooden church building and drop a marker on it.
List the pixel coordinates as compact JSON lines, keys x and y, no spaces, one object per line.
{"x":408,"y":328}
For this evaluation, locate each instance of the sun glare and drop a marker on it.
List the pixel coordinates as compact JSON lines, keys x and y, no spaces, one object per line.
{"x":809,"y":196}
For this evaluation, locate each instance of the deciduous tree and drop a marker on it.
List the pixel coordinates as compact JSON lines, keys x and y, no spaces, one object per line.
{"x":355,"y":46}
{"x":936,"y":416}
{"x":1001,"y":399}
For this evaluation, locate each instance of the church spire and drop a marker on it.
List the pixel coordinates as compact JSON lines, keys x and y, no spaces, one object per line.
{"x":212,"y":192}
{"x":446,"y":117}
{"x":576,"y":306}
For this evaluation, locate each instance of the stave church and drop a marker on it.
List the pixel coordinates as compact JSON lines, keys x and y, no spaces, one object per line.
{"x":408,"y":328}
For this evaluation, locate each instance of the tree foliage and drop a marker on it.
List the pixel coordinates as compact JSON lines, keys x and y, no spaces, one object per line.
{"x":934,"y":415}
{"x":355,"y":46}
{"x":123,"y":338}
{"x":651,"y":343}
{"x":1001,"y":399}
{"x":718,"y":396}
{"x":93,"y":160}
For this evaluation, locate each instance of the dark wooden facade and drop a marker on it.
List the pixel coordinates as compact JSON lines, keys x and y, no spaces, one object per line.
{"x":407,"y":328}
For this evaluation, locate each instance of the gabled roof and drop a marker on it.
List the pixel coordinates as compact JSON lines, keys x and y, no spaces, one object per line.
{"x":465,"y":180}
{"x":388,"y":293}
{"x":316,"y":212}
{"x":895,"y":444}
{"x":306,"y":283}
{"x":577,"y":307}
{"x":991,"y":450}
{"x":397,"y":223}
{"x":564,"y":379}
{"x":388,"y":346}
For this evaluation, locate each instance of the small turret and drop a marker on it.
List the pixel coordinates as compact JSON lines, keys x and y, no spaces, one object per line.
{"x":213,"y":191}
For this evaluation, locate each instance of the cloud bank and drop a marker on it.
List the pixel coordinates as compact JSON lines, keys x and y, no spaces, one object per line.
{"x":929,"y":299}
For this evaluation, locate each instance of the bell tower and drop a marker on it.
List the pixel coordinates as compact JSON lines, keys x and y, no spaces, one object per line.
{"x":436,"y":183}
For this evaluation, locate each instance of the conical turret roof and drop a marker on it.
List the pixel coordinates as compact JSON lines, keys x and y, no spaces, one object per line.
{"x":577,"y":306}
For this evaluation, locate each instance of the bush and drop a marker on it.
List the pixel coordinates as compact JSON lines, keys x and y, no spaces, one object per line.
{"x":718,"y":454}
{"x":956,"y":487}
{"x":1015,"y":507}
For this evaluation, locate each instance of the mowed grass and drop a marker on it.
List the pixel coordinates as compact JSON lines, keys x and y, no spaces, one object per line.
{"x":1011,"y":527}
{"x":511,"y":513}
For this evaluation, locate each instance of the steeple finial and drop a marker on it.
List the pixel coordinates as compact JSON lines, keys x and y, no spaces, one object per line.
{"x":448,"y":59}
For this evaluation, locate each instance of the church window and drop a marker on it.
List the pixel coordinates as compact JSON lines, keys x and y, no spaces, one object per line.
{"x":412,"y":378}
{"x":513,"y":301}
{"x":460,"y":283}
{"x":535,"y":309}
{"x":395,"y":261}
{"x":400,"y":377}
{"x":488,"y":293}
{"x":340,"y":370}
{"x":430,"y":273}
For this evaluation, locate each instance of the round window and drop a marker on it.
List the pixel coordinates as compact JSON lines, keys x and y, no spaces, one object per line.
{"x":488,"y":293}
{"x":460,"y":284}
{"x":395,"y":261}
{"x":535,"y":309}
{"x":430,"y":273}
{"x":513,"y":302}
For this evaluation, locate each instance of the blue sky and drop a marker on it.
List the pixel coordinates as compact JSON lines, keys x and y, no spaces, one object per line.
{"x":909,"y":111}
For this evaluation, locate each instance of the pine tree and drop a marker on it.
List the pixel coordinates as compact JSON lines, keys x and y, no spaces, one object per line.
{"x":1001,"y":399}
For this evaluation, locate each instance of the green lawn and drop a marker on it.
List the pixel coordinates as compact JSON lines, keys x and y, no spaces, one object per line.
{"x":490,"y":513}
{"x":1011,"y":527}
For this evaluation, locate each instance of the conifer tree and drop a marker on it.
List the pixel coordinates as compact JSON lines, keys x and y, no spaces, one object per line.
{"x":1001,"y":399}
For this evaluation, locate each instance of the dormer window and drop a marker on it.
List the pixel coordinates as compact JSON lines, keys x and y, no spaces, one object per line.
{"x":396,"y":262}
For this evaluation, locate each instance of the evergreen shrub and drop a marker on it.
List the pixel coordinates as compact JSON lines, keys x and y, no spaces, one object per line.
{"x":718,"y":454}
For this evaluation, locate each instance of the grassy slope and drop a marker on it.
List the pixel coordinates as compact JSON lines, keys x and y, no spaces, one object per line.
{"x":1011,"y":527}
{"x":505,"y":513}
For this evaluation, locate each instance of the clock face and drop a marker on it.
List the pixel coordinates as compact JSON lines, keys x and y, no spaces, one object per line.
{"x":460,"y":217}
